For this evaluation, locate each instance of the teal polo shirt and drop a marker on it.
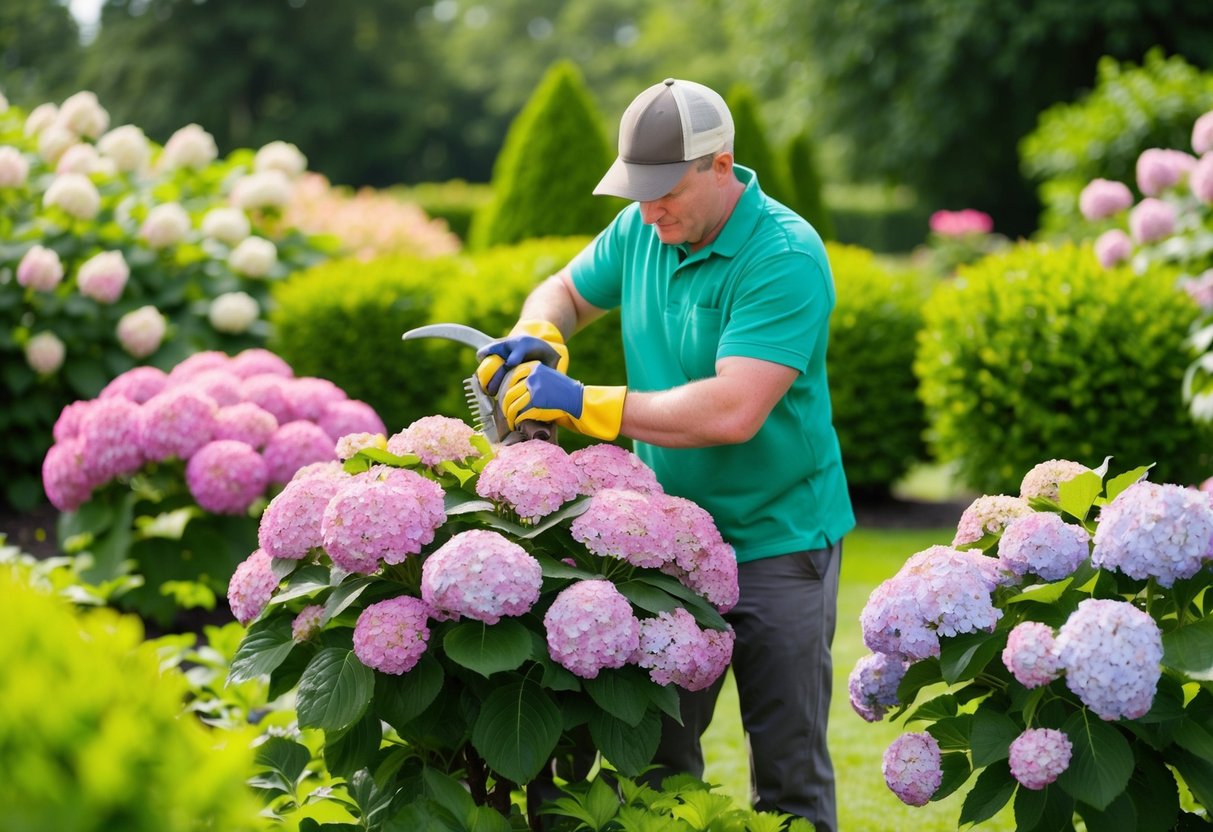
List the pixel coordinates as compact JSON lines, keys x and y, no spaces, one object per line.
{"x":762,"y":289}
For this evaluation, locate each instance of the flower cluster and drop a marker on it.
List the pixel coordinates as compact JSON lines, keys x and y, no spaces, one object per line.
{"x":482,"y":575}
{"x":675,"y":650}
{"x":1031,"y":654}
{"x":1044,"y":479}
{"x":384,"y":514}
{"x":435,"y":439}
{"x":873,"y":683}
{"x":1164,"y":532}
{"x":988,"y":514}
{"x":391,"y":636}
{"x":533,"y":478}
{"x":1038,"y":756}
{"x":1110,"y":652}
{"x":591,"y":626}
{"x":1043,"y":544}
{"x":912,"y":767}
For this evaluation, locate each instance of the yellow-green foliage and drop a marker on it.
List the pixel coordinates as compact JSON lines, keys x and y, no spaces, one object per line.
{"x":872,"y":334}
{"x":1038,"y":353}
{"x":92,"y":735}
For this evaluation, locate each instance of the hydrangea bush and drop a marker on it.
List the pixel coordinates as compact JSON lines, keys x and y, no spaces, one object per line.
{"x":165,"y":474}
{"x":116,"y":251}
{"x":1060,"y":651}
{"x":448,"y":609}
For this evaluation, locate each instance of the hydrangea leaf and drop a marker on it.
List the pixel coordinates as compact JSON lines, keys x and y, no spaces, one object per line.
{"x":991,"y":737}
{"x":1047,"y":808}
{"x":266,"y":646}
{"x":965,"y":655}
{"x":629,"y":748}
{"x":1102,"y":760}
{"x":349,"y":751}
{"x":401,"y":699}
{"x":1122,"y":481}
{"x":647,"y":597}
{"x":334,"y":690}
{"x":952,"y":733}
{"x":1190,"y":649}
{"x":1077,"y":495}
{"x":1119,"y":814}
{"x":956,"y":772}
{"x":488,"y":649}
{"x":517,"y":730}
{"x":284,"y":761}
{"x":623,"y":693}
{"x":991,"y":791}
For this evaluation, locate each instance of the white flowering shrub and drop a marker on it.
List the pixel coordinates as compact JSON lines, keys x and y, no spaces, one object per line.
{"x":1059,"y":651}
{"x":117,"y":252}
{"x":471,"y":611}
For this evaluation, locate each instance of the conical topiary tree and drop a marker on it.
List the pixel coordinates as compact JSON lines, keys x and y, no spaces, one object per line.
{"x":553,"y":155}
{"x":751,"y":148}
{"x":805,"y":181}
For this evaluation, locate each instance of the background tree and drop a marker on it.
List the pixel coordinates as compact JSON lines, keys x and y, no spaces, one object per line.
{"x":39,"y":51}
{"x":751,"y":148}
{"x":806,"y":185}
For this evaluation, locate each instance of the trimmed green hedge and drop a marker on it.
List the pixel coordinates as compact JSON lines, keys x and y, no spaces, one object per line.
{"x":1039,"y":353}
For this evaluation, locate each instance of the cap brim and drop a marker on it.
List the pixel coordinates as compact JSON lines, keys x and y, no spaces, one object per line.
{"x":640,"y":183}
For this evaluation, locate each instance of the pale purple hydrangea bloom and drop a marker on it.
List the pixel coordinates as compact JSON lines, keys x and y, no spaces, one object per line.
{"x":533,"y":478}
{"x":435,"y":439}
{"x":480,"y":574}
{"x":391,"y":636}
{"x":713,"y":575}
{"x":1202,"y":134}
{"x":609,"y":466}
{"x":873,"y":683}
{"x":1159,"y":169}
{"x":307,"y":623}
{"x":627,"y":525}
{"x":1111,"y":653}
{"x":110,"y":430}
{"x":251,"y":587}
{"x":268,"y":391}
{"x":176,"y":423}
{"x":258,"y":361}
{"x":1031,"y":654}
{"x":63,"y":478}
{"x":1103,"y":198}
{"x":912,"y":768}
{"x":245,"y":422}
{"x":590,"y":626}
{"x":383,"y":514}
{"x":702,"y":560}
{"x":1155,"y":531}
{"x":309,"y":397}
{"x":988,"y":514}
{"x":294,"y":445}
{"x":350,"y":416}
{"x":220,"y":385}
{"x":1112,"y":247}
{"x":1201,"y":179}
{"x":1043,"y":544}
{"x":290,"y":524}
{"x":1039,"y":756}
{"x":676,"y":651}
{"x":226,"y":476}
{"x":1151,"y":220}
{"x":893,"y":623}
{"x":1045,"y":478}
{"x":139,"y":384}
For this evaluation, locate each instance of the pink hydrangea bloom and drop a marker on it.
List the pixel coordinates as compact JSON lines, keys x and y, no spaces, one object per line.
{"x":196,"y":363}
{"x":245,"y":422}
{"x":713,"y":575}
{"x":959,"y":223}
{"x":533,"y":478}
{"x":290,"y":524}
{"x":309,"y":397}
{"x":482,"y":575}
{"x":676,"y":651}
{"x":350,"y":416}
{"x":1043,"y":544}
{"x":892,"y":622}
{"x":1103,"y":198}
{"x":627,"y":525}
{"x":1200,"y":289}
{"x":226,"y":476}
{"x":110,"y":430}
{"x":384,"y":513}
{"x":307,"y":623}
{"x":1159,"y":169}
{"x":1111,"y":653}
{"x":912,"y":767}
{"x":220,"y":385}
{"x":435,"y":439}
{"x":40,"y":269}
{"x":1112,"y":247}
{"x":590,"y":626}
{"x":391,"y":636}
{"x":251,"y":587}
{"x":268,"y":391}
{"x":1155,"y":531}
{"x":1031,"y":654}
{"x":1202,"y":134}
{"x":138,"y":384}
{"x":694,"y":530}
{"x":988,"y":514}
{"x":351,"y":443}
{"x":176,"y":423}
{"x":1045,"y":478}
{"x":1039,"y":756}
{"x":258,"y":361}
{"x":873,"y":683}
{"x":1151,"y":220}
{"x":294,"y":445}
{"x":609,"y":466}
{"x":1201,"y":179}
{"x":67,"y":426}
{"x":63,"y":477}
{"x":953,"y":589}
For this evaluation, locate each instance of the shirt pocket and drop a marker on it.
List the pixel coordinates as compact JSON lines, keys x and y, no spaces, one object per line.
{"x":697,"y":338}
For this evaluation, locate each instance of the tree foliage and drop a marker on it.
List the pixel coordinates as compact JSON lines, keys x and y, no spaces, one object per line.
{"x":751,"y":147}
{"x":806,"y":185}
{"x":39,"y":50}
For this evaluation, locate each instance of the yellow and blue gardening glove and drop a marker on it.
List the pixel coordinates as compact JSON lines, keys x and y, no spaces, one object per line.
{"x":530,"y":341}
{"x":538,"y":392}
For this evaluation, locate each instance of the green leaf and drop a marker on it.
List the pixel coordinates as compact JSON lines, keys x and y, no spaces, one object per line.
{"x":1117,"y":816}
{"x":648,"y":597}
{"x":952,"y":733}
{"x":1154,"y":792}
{"x":1042,"y":593}
{"x":447,"y":792}
{"x":401,"y":699}
{"x":420,"y":815}
{"x":1189,"y":650}
{"x":963,"y":656}
{"x":266,"y":646}
{"x":919,"y":675}
{"x":334,"y":690}
{"x":457,"y":502}
{"x":667,"y":700}
{"x":487,"y":819}
{"x":940,"y":707}
{"x":629,"y":748}
{"x":517,"y":730}
{"x":284,"y":762}
{"x":956,"y":771}
{"x":354,"y":749}
{"x":1122,"y":481}
{"x":990,"y":792}
{"x":344,"y":595}
{"x":1197,"y":774}
{"x":1194,"y":737}
{"x":1077,"y":495}
{"x":111,"y":548}
{"x":705,"y":614}
{"x":992,"y":735}
{"x":486,"y":648}
{"x":623,"y":693}
{"x":1044,"y":810}
{"x":302,"y":582}
{"x":1101,"y":763}
{"x":553,"y":568}
{"x":567,"y":512}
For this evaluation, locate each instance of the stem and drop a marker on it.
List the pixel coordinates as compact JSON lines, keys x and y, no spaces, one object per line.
{"x":477,"y":775}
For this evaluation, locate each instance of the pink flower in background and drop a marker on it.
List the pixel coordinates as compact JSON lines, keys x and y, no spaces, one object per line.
{"x":350,"y":444}
{"x":1031,"y":654}
{"x":1155,"y":531}
{"x":251,"y":586}
{"x":1200,"y":289}
{"x":268,"y":391}
{"x":67,"y":426}
{"x":110,"y":431}
{"x":1152,"y":220}
{"x":1043,"y":544}
{"x":1112,"y":247}
{"x":1202,"y":134}
{"x":1159,"y":169}
{"x":290,"y":526}
{"x":14,"y":168}
{"x":341,"y":418}
{"x":294,"y":445}
{"x":220,"y":385}
{"x":912,"y":768}
{"x":103,"y":276}
{"x":138,"y":384}
{"x":988,"y":514}
{"x":257,"y":361}
{"x":383,"y":514}
{"x":1111,"y":653}
{"x":176,"y":423}
{"x":1201,"y":179}
{"x":482,"y":575}
{"x":45,"y":352}
{"x":873,"y":682}
{"x":225,"y":476}
{"x":952,"y":588}
{"x":609,"y":466}
{"x":40,"y":269}
{"x":435,"y":439}
{"x":676,"y":651}
{"x":63,"y":477}
{"x":196,"y":364}
{"x":310,"y":397}
{"x":391,"y":636}
{"x":142,"y":331}
{"x":627,"y":525}
{"x":245,"y":422}
{"x":1103,"y":198}
{"x":590,"y":626}
{"x":534,"y":478}
{"x":959,"y":223}
{"x":307,"y":623}
{"x":1038,"y":756}
{"x":1045,"y":478}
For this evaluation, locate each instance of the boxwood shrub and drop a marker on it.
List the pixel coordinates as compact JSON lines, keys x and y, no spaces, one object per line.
{"x":1038,"y":353}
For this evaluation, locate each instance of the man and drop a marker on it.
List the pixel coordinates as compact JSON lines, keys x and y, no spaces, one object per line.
{"x":725,"y":298}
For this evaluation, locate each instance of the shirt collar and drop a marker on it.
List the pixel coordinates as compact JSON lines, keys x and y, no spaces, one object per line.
{"x":739,"y":226}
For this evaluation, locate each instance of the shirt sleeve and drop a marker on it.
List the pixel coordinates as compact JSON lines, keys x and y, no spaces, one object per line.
{"x":597,"y":270}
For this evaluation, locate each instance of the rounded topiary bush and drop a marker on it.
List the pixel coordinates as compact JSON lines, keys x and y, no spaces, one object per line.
{"x":1039,"y":353}
{"x":876,"y":319}
{"x":92,"y":734}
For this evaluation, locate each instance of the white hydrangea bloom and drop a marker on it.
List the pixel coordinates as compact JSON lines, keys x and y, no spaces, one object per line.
{"x":127,"y":146}
{"x":75,"y":194}
{"x":254,"y":257}
{"x":280,"y":156}
{"x":233,"y":312}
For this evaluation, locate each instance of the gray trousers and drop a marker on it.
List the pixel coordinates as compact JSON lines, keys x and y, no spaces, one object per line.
{"x":784,"y":622}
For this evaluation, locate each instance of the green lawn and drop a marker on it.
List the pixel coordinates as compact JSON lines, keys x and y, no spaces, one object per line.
{"x":865,"y":803}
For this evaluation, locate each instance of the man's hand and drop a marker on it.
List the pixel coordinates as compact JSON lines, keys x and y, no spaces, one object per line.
{"x":530,"y":341}
{"x":538,"y":392}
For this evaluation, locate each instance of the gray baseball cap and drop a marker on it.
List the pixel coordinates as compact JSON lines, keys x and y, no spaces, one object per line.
{"x":661,"y":132}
